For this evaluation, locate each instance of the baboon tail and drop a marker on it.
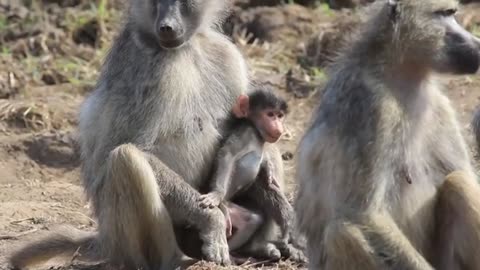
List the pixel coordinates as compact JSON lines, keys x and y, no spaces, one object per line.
{"x":70,"y":243}
{"x":136,"y":225}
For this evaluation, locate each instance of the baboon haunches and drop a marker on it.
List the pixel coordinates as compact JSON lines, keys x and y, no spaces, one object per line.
{"x":374,"y":191}
{"x":149,"y":133}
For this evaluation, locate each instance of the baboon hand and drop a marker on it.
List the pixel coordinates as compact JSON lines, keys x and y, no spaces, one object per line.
{"x":215,"y":245}
{"x":210,"y":200}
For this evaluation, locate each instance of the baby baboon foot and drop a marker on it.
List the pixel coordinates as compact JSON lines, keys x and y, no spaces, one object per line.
{"x":210,"y":200}
{"x":270,"y":252}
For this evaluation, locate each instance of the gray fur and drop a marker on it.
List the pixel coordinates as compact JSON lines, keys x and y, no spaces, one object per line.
{"x":149,"y":133}
{"x":381,"y":144}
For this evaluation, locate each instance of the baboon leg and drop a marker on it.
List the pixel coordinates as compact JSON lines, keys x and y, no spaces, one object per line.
{"x":345,"y":248}
{"x":135,"y":225}
{"x":458,"y":222}
{"x":181,"y":200}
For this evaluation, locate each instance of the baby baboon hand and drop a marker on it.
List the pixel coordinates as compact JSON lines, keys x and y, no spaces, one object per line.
{"x":210,"y":200}
{"x":292,"y":253}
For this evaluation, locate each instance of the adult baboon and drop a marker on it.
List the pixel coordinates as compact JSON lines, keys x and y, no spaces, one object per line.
{"x":374,"y":191}
{"x":149,"y":133}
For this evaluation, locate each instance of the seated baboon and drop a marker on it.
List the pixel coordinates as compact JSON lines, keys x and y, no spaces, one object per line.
{"x":148,"y":135}
{"x":375,"y":167}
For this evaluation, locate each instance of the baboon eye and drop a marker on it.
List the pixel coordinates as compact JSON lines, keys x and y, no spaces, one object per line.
{"x":280,"y":115}
{"x":270,"y":114}
{"x":446,"y":12}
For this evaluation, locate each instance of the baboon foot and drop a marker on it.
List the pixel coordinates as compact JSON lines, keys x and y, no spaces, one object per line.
{"x":216,"y":251}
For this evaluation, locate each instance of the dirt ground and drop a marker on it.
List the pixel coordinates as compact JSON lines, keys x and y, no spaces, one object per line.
{"x":50,"y":53}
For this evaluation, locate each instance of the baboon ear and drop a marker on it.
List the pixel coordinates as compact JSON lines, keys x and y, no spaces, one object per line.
{"x":393,"y":4}
{"x":241,"y":107}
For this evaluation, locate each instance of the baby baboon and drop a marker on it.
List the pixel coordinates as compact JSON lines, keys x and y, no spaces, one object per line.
{"x":150,"y":131}
{"x":257,"y":119}
{"x":382,"y":121}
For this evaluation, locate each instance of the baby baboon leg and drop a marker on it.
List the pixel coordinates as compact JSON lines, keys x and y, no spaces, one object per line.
{"x":135,"y":214}
{"x":458,"y":221}
{"x":246,"y":223}
{"x":181,"y":200}
{"x":345,"y":248}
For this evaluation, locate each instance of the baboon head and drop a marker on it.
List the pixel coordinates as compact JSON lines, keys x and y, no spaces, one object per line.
{"x":427,"y":33}
{"x":171,"y":23}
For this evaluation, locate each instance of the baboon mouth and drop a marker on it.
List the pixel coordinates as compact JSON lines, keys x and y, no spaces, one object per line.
{"x":172,"y":44}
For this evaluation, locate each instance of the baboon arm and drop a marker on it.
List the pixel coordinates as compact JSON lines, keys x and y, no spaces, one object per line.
{"x":458,"y":222}
{"x":181,"y":201}
{"x":391,"y":245}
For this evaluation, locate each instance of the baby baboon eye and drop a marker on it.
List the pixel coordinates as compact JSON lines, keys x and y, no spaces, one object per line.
{"x":271,"y":114}
{"x":446,"y":12}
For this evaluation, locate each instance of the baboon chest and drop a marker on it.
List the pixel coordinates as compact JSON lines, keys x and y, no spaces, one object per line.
{"x":196,"y":100}
{"x":412,"y":195}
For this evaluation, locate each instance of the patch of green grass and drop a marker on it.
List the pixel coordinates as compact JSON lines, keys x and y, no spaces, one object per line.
{"x":317,"y":74}
{"x":476,"y":30}
{"x":325,"y":8}
{"x":6,"y":51}
{"x":3,"y":22}
{"x":32,"y":65}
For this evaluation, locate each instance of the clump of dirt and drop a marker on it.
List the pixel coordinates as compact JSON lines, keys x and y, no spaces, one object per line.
{"x":287,"y":21}
{"x":325,"y":45}
{"x":57,"y":150}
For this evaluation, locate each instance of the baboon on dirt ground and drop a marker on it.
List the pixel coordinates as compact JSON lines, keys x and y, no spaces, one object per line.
{"x":149,"y":133}
{"x":386,"y":181}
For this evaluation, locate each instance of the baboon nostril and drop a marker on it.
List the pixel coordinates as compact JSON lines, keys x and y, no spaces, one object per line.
{"x":166,"y":29}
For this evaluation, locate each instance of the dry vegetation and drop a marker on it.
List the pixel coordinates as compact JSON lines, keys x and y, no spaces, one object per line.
{"x":50,"y":53}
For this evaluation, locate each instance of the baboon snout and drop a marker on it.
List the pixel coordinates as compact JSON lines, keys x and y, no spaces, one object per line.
{"x":169,"y":31}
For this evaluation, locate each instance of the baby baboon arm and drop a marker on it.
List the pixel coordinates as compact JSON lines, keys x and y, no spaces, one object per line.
{"x":221,"y":179}
{"x":211,"y":199}
{"x":266,"y":174}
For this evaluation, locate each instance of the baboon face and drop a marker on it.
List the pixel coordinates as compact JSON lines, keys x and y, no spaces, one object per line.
{"x":461,"y":50}
{"x":176,"y":20}
{"x":438,"y":39}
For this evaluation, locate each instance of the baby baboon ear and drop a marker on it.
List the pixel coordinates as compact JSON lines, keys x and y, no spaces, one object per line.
{"x":241,"y":107}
